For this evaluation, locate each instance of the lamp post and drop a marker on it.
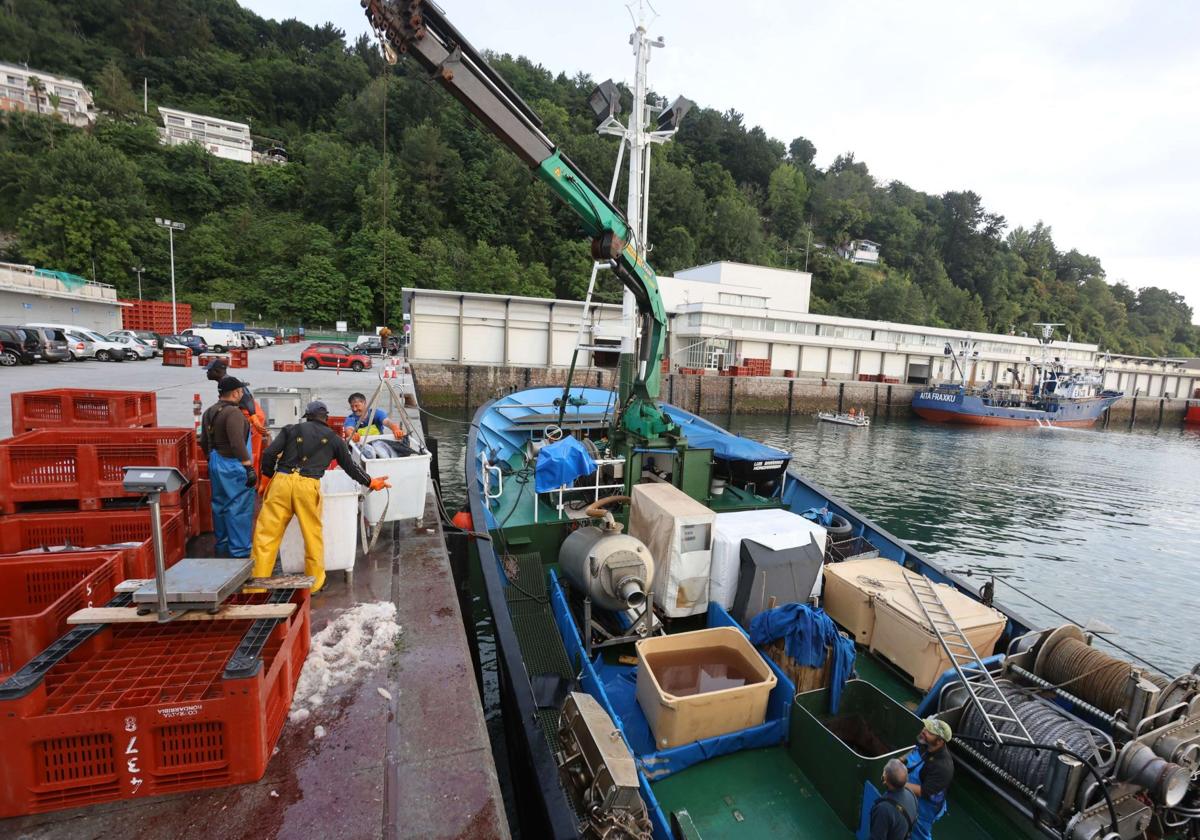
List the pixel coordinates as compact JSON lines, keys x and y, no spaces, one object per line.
{"x":171,"y":228}
{"x":137,"y":269}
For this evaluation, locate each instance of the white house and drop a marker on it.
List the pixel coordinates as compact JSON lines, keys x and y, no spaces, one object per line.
{"x":860,"y":251}
{"x":223,"y":138}
{"x":71,"y":100}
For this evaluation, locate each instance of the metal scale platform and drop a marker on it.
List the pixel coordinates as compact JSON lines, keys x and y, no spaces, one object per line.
{"x":194,"y":583}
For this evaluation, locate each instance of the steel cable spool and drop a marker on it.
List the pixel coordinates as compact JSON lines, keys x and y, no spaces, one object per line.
{"x":1093,"y":675}
{"x":1045,"y":723}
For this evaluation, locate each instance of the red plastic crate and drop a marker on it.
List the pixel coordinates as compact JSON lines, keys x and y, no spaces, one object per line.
{"x":239,"y":357}
{"x":177,"y":358}
{"x":86,"y":466}
{"x":198,"y":508}
{"x":26,"y":531}
{"x":37,"y":594}
{"x":75,"y":408}
{"x":141,"y":710}
{"x":206,"y":358}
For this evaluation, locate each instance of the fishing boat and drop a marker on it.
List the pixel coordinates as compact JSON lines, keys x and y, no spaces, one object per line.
{"x":694,"y":641}
{"x":1057,"y":396}
{"x":844,"y":418}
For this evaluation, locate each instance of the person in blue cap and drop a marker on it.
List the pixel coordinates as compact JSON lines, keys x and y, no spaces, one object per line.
{"x":225,"y":439}
{"x":930,"y":772}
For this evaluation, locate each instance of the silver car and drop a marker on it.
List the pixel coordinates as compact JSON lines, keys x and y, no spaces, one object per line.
{"x":135,"y":348}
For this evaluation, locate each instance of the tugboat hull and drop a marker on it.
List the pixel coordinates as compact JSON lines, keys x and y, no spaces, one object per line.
{"x":970,"y":409}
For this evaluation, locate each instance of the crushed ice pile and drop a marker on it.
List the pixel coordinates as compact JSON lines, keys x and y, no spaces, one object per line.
{"x":355,"y":642}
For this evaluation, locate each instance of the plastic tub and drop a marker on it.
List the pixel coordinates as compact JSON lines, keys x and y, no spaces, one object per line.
{"x":851,"y":589}
{"x":339,"y":521}
{"x":676,"y":719}
{"x":405,"y":499}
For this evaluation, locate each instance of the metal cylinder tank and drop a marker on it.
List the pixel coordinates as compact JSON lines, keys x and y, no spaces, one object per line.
{"x":612,"y":568}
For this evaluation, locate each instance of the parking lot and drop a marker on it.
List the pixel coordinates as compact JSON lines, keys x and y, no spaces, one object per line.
{"x":176,"y":386}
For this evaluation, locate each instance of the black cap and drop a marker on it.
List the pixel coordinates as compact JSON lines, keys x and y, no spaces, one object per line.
{"x":316,"y":408}
{"x":229,"y":383}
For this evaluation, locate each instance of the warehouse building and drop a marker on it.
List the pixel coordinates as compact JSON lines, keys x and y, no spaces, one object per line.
{"x":725,"y":312}
{"x":31,"y":295}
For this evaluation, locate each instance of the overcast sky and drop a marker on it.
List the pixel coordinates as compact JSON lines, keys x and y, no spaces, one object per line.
{"x":1082,"y":113}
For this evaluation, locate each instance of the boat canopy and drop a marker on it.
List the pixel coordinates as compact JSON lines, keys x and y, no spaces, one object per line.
{"x":704,"y":435}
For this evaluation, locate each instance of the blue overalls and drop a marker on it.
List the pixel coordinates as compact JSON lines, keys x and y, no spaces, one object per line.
{"x":232,"y":503}
{"x":929,"y":809}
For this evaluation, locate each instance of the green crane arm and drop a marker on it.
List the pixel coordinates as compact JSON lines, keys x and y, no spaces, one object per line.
{"x":419,"y":29}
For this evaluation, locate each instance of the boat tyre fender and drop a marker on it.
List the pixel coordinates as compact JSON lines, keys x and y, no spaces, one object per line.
{"x":839,"y":528}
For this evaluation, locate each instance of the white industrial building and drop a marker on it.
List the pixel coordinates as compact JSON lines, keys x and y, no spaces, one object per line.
{"x":27,"y":296}
{"x":49,"y":94}
{"x":725,"y":312}
{"x":223,"y":138}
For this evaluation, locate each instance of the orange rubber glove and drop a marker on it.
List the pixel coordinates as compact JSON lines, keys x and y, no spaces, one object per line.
{"x":379,"y":483}
{"x":397,"y":432}
{"x":264,"y":481}
{"x":355,"y":436}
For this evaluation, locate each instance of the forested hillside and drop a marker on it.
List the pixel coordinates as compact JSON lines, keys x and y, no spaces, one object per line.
{"x":426,"y":198}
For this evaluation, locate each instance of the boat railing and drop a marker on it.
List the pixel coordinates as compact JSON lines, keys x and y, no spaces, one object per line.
{"x":559,"y":492}
{"x":486,"y":469}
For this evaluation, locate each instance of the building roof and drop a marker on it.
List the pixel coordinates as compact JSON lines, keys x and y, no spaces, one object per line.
{"x":44,"y":75}
{"x":175,"y":112}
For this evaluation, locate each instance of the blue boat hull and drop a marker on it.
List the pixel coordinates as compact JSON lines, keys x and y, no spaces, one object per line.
{"x":955,"y":406}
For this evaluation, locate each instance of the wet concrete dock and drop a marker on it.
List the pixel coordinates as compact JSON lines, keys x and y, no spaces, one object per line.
{"x":406,"y":752}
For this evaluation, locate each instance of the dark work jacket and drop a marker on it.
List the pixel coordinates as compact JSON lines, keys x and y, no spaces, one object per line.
{"x":308,"y":448}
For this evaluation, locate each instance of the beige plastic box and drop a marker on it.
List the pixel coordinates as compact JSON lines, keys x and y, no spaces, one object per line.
{"x":904,"y":637}
{"x":852,"y":586}
{"x":682,"y":720}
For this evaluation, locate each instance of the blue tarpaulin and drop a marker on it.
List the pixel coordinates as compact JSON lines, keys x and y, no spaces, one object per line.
{"x":704,"y":435}
{"x":561,"y":463}
{"x":807,"y":632}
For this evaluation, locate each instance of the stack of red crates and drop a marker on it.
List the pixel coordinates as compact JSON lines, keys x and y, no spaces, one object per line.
{"x":155,"y":315}
{"x":173,"y":357}
{"x":757,"y":367}
{"x":239,"y":357}
{"x":145,"y":709}
{"x":73,"y":408}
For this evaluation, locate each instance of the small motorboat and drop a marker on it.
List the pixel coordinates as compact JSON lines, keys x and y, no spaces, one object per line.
{"x":845,"y":419}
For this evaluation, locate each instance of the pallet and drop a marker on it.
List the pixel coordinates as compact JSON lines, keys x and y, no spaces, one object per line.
{"x":277,"y":582}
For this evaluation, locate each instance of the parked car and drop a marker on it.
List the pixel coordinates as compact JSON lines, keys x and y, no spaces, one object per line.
{"x":185,"y":342}
{"x":135,"y":348}
{"x":152,"y":338}
{"x":370,"y":345}
{"x":332,"y":355}
{"x":18,"y":346}
{"x":219,"y":340}
{"x":253,"y":340}
{"x":88,"y":344}
{"x":54,"y":344}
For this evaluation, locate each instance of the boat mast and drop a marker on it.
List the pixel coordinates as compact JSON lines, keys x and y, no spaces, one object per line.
{"x":1046,"y":362}
{"x":638,"y":136}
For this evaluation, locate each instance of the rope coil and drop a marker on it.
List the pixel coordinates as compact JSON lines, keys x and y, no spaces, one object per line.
{"x":1095,"y":676}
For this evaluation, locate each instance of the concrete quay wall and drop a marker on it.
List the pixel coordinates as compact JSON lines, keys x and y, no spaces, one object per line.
{"x":469,"y":386}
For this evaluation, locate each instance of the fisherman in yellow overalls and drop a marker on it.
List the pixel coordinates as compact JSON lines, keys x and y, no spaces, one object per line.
{"x":292,"y":467}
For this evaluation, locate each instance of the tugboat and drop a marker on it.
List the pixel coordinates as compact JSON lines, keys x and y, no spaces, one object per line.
{"x":1058,"y":397}
{"x":678,"y":662}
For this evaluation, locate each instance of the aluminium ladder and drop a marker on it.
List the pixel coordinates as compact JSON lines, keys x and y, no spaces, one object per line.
{"x":982,"y":690}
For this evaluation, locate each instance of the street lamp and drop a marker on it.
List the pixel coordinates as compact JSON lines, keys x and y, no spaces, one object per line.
{"x":171,"y":228}
{"x":137,"y":269}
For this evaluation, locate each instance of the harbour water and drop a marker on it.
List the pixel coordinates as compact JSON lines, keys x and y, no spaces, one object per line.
{"x":1101,"y":525}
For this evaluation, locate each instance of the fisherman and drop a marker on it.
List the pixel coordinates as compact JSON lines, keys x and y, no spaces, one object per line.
{"x":296,"y":459}
{"x":358,"y":422}
{"x":253,"y":412}
{"x":894,"y":814}
{"x":930,"y":772}
{"x":225,"y":439}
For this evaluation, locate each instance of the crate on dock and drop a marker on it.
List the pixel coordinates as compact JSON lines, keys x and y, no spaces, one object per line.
{"x":197,"y":507}
{"x":81,"y":408}
{"x":239,"y":357}
{"x":148,"y":709}
{"x":85,"y":467}
{"x":288,"y":366}
{"x":29,"y":531}
{"x":293,"y":339}
{"x":208,"y":358}
{"x":38,"y":593}
{"x":173,"y":357}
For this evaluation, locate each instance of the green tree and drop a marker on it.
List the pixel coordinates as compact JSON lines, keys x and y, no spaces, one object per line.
{"x":113,"y":92}
{"x":786,"y":197}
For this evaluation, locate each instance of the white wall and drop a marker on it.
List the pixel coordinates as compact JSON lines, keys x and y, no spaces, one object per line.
{"x":812,"y":359}
{"x":784,"y":289}
{"x":785,"y":357}
{"x":17,"y":309}
{"x":841,"y":362}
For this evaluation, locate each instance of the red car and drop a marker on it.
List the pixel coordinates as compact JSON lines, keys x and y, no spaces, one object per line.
{"x":334,"y":356}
